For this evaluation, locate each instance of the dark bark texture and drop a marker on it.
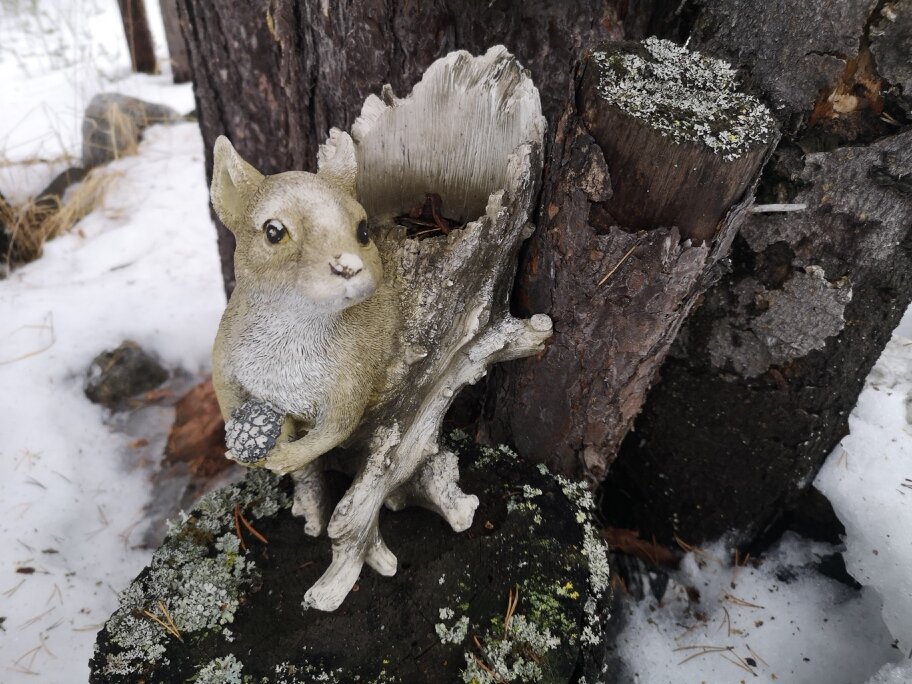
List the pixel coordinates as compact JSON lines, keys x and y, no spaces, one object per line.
{"x":760,"y":383}
{"x":617,"y":274}
{"x":275,"y":76}
{"x":762,"y":378}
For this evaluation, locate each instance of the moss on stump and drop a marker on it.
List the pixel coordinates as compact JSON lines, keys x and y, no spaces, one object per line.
{"x":520,"y":597}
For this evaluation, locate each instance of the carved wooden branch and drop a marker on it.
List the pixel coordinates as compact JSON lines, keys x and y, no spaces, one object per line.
{"x":471,"y":131}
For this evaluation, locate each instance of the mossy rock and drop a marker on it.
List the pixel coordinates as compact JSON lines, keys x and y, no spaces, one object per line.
{"x":440,"y":619}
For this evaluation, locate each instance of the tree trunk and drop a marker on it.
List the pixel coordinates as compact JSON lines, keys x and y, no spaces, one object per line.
{"x":139,"y":37}
{"x":618,"y":264}
{"x":300,"y":67}
{"x":747,"y":425}
{"x":177,"y":46}
{"x":763,"y":376}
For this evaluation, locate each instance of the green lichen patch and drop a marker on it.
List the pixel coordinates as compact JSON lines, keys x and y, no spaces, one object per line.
{"x":194,"y":584}
{"x":516,"y":654}
{"x":596,"y":552}
{"x":225,"y":670}
{"x":685,"y":95}
{"x":289,"y":673}
{"x":547,"y":614}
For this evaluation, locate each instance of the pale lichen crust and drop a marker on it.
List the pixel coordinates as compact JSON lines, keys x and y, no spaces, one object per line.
{"x":195,"y":581}
{"x":685,"y":95}
{"x":543,"y":621}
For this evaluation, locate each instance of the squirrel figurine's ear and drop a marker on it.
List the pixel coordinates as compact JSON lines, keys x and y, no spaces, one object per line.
{"x":337,"y":162}
{"x":234,"y":183}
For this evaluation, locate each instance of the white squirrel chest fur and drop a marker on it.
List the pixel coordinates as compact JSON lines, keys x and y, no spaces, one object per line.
{"x":285,"y":356}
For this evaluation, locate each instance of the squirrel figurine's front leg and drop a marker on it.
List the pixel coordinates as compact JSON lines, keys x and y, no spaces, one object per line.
{"x":290,"y":455}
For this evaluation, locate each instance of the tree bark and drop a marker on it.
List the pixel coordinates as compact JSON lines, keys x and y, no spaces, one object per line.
{"x":274,"y":77}
{"x":139,"y":37}
{"x":618,"y":264}
{"x":177,"y":46}
{"x":761,"y":381}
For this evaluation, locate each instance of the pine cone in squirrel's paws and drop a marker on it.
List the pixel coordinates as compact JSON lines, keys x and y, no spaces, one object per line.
{"x":252,"y":431}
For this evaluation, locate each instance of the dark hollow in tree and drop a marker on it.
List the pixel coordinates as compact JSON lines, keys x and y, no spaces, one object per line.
{"x":139,"y":37}
{"x":641,"y":200}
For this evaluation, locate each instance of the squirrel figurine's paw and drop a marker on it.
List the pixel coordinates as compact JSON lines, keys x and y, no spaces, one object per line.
{"x":283,"y":459}
{"x":252,"y":431}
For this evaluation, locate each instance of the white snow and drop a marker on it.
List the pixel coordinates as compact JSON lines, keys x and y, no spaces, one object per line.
{"x":55,"y":55}
{"x":147,"y":270}
{"x":868,"y":479}
{"x":142,"y":267}
{"x":893,"y":674}
{"x":848,"y":637}
{"x":782,"y":621}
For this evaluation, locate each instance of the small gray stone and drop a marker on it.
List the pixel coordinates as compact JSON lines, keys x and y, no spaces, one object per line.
{"x":116,"y":375}
{"x":243,"y":435}
{"x":114,"y":123}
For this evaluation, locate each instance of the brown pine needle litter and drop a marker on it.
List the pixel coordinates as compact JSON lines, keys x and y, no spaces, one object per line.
{"x":512,"y":603}
{"x":166,"y":623}
{"x":617,"y":265}
{"x":738,"y":601}
{"x":726,"y":652}
{"x":239,"y":520}
{"x":237,"y":527}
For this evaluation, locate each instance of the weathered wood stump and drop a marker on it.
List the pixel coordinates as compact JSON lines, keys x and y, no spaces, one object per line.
{"x":653,"y":169}
{"x":759,"y":387}
{"x":520,"y":597}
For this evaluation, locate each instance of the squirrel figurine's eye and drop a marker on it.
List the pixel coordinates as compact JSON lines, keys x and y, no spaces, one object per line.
{"x":362,"y":234}
{"x":275,"y":231}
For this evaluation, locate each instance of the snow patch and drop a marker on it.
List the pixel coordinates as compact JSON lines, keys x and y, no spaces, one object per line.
{"x":781,"y":618}
{"x":868,"y":479}
{"x":143,"y":267}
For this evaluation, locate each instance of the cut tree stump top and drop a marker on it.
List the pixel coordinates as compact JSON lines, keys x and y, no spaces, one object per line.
{"x":681,"y":142}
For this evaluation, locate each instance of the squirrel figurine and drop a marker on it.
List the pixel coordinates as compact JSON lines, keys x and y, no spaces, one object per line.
{"x":307,"y":337}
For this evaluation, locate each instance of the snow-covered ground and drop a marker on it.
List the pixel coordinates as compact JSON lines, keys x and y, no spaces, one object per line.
{"x":54,"y":56}
{"x":144,"y":267}
{"x":783,"y":620}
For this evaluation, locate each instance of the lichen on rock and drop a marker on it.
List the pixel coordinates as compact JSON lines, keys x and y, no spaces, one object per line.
{"x":686,"y":95}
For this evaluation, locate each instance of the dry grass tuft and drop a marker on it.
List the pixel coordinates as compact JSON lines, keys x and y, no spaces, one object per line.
{"x":36,"y":221}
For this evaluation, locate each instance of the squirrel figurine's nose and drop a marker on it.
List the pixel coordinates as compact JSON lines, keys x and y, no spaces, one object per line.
{"x":346,"y":265}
